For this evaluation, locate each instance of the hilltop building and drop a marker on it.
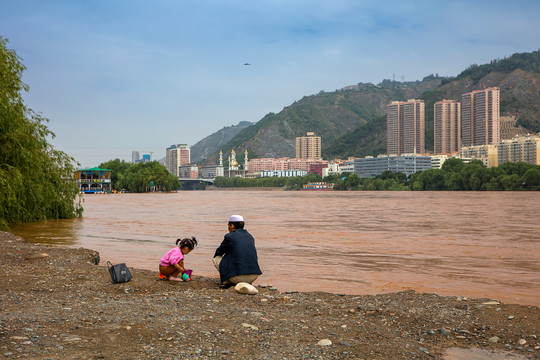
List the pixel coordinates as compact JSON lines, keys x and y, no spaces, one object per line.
{"x":480,"y":117}
{"x":308,"y":147}
{"x":176,"y":156}
{"x":447,"y":126}
{"x":405,"y":124}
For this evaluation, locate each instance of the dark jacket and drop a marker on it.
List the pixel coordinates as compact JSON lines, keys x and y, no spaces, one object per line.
{"x":240,"y":255}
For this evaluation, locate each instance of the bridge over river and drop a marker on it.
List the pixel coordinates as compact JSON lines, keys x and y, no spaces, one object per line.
{"x":193,"y":184}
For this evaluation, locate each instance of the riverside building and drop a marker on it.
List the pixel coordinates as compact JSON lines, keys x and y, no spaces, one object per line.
{"x":407,"y":164}
{"x":521,"y":148}
{"x":284,"y":163}
{"x":282,"y":173}
{"x":447,"y":126}
{"x":405,"y":124}
{"x":94,"y":180}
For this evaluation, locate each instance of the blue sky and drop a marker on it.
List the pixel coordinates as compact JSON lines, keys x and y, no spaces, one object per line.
{"x":117,"y":76}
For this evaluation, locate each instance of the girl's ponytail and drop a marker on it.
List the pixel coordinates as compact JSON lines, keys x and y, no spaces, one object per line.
{"x":190,"y":243}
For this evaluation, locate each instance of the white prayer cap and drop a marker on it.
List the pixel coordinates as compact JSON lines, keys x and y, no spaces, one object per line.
{"x":236,"y":218}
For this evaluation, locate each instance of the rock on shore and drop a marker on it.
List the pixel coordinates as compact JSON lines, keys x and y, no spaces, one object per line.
{"x":57,"y":304}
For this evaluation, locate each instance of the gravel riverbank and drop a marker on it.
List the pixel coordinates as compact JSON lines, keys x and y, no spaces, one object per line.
{"x":55,"y":303}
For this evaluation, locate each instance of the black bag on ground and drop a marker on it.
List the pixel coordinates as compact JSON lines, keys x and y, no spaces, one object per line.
{"x":119,"y":273}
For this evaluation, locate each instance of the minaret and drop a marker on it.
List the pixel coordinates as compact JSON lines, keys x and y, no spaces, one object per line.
{"x":246,"y":160}
{"x":233,"y":165}
{"x":220,"y":158}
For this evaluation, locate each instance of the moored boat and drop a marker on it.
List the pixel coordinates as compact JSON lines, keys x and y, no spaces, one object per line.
{"x":318,"y":186}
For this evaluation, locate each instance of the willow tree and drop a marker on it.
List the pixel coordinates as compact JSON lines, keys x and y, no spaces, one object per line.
{"x":36,"y":181}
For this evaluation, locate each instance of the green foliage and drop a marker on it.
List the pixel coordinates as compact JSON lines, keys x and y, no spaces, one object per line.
{"x":292,"y":183}
{"x":139,"y":177}
{"x":386,"y":181}
{"x":455,"y":176}
{"x":36,"y":181}
{"x":118,"y":167}
{"x":367,"y":139}
{"x":524,"y":61}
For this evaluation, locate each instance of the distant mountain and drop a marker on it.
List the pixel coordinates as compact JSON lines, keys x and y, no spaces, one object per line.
{"x":212,"y":143}
{"x":331,"y":115}
{"x":352,"y":121}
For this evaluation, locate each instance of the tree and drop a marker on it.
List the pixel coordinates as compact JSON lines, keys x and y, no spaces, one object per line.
{"x":148,"y":176}
{"x":453,"y":165}
{"x":531,"y":178}
{"x":118,"y":168}
{"x":36,"y":181}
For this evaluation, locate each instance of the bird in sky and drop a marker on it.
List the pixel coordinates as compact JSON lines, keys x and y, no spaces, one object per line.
{"x":247,"y":64}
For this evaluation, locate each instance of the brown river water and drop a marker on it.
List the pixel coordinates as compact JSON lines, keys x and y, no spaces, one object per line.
{"x":472,"y":244}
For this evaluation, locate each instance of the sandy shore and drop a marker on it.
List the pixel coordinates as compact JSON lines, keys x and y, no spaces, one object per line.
{"x":57,"y":304}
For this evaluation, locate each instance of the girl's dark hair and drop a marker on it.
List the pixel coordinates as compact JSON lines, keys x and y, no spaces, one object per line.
{"x":187,"y":242}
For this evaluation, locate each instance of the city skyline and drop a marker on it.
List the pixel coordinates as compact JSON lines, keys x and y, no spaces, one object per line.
{"x":110,"y":86}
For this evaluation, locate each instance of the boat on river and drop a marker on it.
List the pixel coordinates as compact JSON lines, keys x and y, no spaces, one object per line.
{"x":318,"y":186}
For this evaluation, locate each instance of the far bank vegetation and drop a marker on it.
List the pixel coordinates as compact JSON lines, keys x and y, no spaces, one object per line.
{"x":455,"y":175}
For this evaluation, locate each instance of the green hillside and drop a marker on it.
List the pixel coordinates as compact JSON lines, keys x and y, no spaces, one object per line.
{"x":353,"y":123}
{"x":332,"y":115}
{"x":518,"y":77}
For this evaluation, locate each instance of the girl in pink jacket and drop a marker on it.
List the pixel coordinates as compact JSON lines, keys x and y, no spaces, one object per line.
{"x":171,"y":265}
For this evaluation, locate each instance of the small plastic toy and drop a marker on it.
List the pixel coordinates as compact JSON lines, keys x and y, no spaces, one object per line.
{"x":186,"y":275}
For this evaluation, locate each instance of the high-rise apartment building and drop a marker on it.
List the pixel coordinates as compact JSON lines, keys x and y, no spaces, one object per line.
{"x":308,"y":147}
{"x":447,"y":127}
{"x":176,"y":156}
{"x":405,"y":124}
{"x":480,"y":117}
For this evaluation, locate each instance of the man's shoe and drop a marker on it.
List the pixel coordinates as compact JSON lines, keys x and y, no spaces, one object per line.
{"x":225,"y":286}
